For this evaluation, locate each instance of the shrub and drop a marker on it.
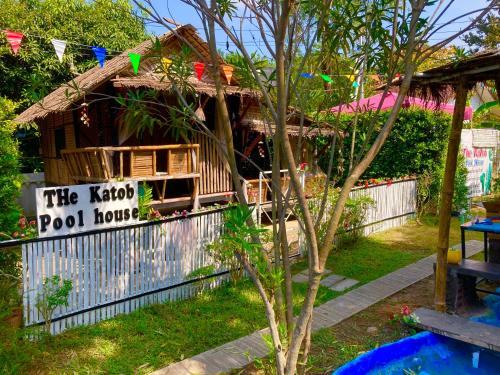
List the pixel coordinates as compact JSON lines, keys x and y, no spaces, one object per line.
{"x":460,"y":192}
{"x":223,"y":252}
{"x":10,"y":177}
{"x":54,"y":293}
{"x":424,"y":193}
{"x":350,"y":230}
{"x":418,"y":135}
{"x":201,"y":276}
{"x":10,"y":279}
{"x":145,"y":199}
{"x":351,"y":220}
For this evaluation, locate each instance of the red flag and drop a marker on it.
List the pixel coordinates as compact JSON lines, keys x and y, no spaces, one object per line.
{"x":199,"y":68}
{"x":14,"y":40}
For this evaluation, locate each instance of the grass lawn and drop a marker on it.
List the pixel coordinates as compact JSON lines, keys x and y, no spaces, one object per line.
{"x":158,"y":335}
{"x":376,"y":255}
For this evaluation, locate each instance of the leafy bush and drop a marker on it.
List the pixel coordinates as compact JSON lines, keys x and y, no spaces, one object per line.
{"x":201,"y":273}
{"x":239,"y":237}
{"x":10,"y":279}
{"x":425,"y":182}
{"x":54,"y":293}
{"x":10,"y":177}
{"x":223,"y":252}
{"x":418,"y":135}
{"x":351,"y":220}
{"x":460,"y":193}
{"x":144,"y":201}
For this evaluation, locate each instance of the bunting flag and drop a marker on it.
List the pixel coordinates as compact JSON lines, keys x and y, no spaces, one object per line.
{"x":165,"y":63}
{"x":60,"y":47}
{"x":199,"y":68}
{"x":228,"y":72}
{"x":14,"y":39}
{"x":100,"y":54}
{"x":326,"y":78}
{"x":135,"y":59}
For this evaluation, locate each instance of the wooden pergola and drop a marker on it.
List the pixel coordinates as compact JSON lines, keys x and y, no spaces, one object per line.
{"x":441,"y":83}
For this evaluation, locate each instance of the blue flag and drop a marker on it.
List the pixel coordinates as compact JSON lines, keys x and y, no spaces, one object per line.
{"x":100,"y":54}
{"x":306,"y":75}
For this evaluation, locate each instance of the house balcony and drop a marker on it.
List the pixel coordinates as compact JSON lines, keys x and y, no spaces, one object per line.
{"x":153,"y":164}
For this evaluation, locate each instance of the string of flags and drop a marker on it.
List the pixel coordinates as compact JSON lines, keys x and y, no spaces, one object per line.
{"x":15,"y":39}
{"x":328,"y":78}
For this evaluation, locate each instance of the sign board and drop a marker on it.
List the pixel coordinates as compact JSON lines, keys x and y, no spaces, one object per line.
{"x":479,"y":163}
{"x":80,"y":208}
{"x":478,"y":160}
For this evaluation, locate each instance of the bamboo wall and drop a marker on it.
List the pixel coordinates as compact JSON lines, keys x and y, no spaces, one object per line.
{"x":55,"y":169}
{"x":215,"y":176}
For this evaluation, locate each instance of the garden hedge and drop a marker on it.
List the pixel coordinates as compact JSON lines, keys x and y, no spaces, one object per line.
{"x":416,"y":144}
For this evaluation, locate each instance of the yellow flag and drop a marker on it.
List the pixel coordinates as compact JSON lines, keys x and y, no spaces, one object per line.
{"x":165,"y":63}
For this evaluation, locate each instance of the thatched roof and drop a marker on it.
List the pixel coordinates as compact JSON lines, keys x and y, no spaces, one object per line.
{"x":438,"y":83}
{"x":63,"y":97}
{"x":307,"y":130}
{"x":158,"y":82}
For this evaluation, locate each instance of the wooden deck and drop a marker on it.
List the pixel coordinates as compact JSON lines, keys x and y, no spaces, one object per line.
{"x":459,"y":328}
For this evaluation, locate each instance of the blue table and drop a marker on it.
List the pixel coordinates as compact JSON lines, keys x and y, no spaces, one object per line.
{"x":482,"y":225}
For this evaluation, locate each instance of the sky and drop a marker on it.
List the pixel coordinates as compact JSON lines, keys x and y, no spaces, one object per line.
{"x":184,"y":14}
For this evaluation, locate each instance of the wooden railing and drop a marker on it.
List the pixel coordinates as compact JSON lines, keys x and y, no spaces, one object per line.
{"x":144,"y":163}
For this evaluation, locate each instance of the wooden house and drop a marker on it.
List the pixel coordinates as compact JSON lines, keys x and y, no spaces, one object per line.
{"x":84,"y":138}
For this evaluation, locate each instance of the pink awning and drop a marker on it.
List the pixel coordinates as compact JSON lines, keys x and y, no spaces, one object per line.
{"x":372,"y":103}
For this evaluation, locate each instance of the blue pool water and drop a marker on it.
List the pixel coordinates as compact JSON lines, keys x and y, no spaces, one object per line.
{"x":493,"y":316}
{"x":429,"y":354}
{"x":423,"y":354}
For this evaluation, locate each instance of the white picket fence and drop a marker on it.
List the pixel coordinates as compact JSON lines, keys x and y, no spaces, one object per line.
{"x":395,"y":204}
{"x":116,"y":271}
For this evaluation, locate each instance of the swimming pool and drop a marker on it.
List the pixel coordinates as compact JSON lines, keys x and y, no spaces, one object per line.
{"x":424,"y":354}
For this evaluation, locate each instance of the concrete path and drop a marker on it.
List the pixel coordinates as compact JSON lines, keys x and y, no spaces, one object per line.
{"x":241,"y":352}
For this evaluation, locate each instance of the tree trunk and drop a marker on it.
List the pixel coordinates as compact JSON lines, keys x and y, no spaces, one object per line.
{"x":447,"y":195}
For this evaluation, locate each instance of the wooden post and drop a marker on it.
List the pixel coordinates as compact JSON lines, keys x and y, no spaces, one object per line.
{"x":447,"y":195}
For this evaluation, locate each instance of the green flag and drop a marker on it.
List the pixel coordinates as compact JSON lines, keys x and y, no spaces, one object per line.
{"x":326,"y":78}
{"x":135,"y":59}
